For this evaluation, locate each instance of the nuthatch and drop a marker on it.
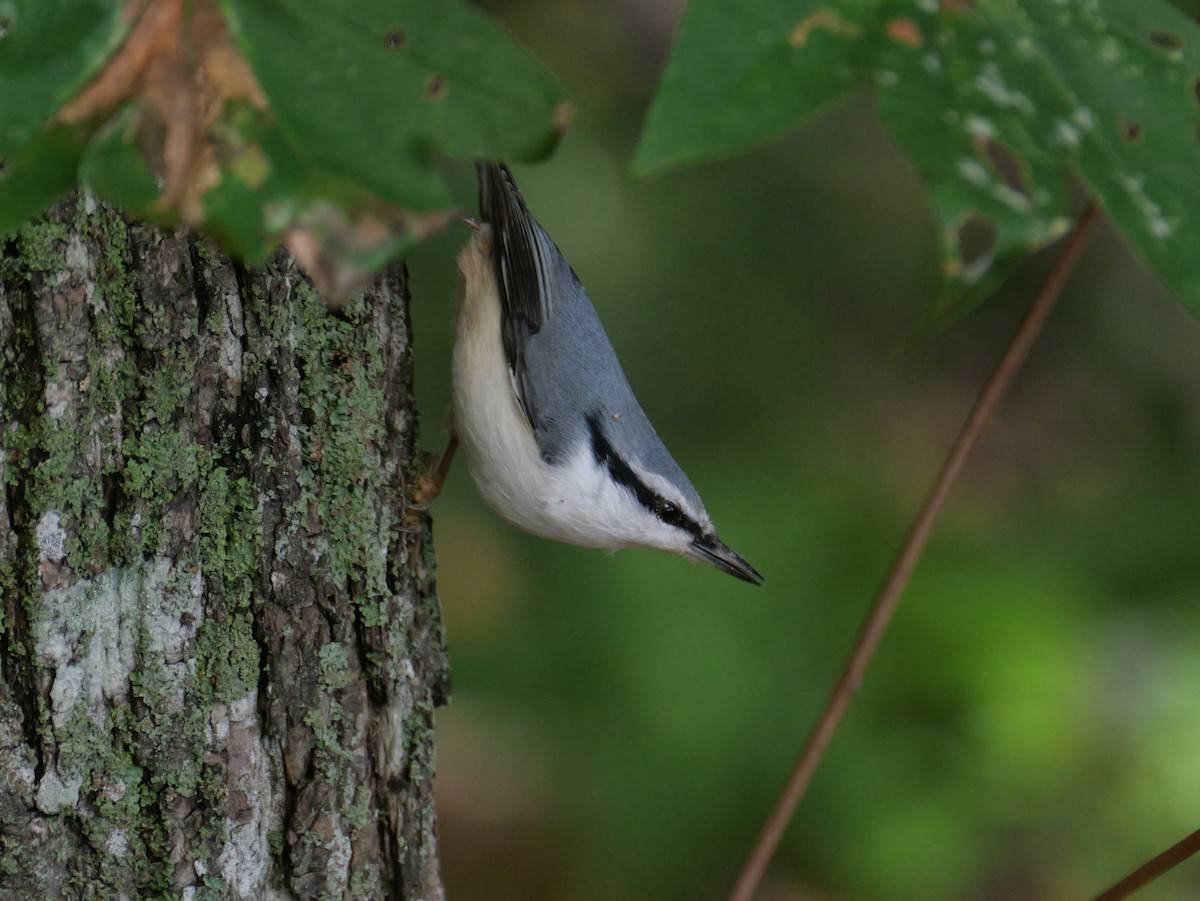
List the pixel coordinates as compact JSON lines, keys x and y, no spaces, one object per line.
{"x":554,"y":437}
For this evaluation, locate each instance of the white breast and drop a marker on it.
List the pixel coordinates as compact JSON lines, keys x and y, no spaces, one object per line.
{"x":574,"y":501}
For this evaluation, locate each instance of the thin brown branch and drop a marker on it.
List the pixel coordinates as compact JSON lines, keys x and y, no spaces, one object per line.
{"x":1152,"y":869}
{"x":894,"y":583}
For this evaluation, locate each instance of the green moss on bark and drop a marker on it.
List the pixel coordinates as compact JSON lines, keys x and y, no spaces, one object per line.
{"x":143,"y":431}
{"x":342,"y":441}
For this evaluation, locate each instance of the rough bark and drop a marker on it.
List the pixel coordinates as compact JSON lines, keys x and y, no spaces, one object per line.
{"x":221,"y":647}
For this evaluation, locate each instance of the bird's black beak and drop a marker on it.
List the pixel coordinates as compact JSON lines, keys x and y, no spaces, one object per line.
{"x":711,"y":549}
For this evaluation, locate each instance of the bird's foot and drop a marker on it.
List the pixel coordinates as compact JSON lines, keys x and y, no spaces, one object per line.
{"x":431,"y":481}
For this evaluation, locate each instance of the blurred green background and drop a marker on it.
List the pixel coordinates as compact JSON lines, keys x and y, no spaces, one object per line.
{"x":620,"y":725}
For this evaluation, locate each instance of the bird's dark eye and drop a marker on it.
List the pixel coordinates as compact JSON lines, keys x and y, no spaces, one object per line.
{"x":668,"y":513}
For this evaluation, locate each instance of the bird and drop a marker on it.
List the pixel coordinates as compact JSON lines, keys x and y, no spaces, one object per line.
{"x":554,"y":438}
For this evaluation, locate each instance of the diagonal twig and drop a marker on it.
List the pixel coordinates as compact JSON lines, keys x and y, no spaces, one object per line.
{"x":894,"y":583}
{"x":1152,"y":869}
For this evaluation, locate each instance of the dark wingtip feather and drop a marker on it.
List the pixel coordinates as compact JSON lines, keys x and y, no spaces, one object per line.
{"x":518,"y":254}
{"x":500,"y":201}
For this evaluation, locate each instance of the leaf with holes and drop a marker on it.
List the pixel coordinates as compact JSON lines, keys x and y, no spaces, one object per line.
{"x":996,"y":102}
{"x":972,"y":102}
{"x":1130,"y":73}
{"x":1025,"y":95}
{"x":313,"y":123}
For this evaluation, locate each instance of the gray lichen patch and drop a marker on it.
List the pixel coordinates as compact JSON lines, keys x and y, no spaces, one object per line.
{"x":91,"y":638}
{"x":51,"y":537}
{"x":246,"y":858}
{"x":54,"y":794}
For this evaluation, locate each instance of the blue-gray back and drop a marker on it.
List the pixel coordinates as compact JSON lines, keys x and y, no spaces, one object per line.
{"x":564,"y":367}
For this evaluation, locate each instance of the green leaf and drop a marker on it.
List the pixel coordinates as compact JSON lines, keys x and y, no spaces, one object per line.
{"x":48,"y":50}
{"x":361,"y":97}
{"x":112,"y":165}
{"x":996,"y":103}
{"x":371,"y":89}
{"x":1130,"y":69}
{"x":262,"y":187}
{"x":971,"y":100}
{"x":40,"y":173}
{"x":745,"y":70}
{"x":266,"y":185}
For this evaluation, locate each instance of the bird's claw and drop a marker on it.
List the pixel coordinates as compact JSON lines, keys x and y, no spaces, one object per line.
{"x":431,"y":481}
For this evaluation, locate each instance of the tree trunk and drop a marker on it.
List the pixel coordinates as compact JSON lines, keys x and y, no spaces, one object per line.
{"x":221,"y":646}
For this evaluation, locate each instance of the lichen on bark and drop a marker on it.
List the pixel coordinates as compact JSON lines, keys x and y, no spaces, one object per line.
{"x":220,"y":640}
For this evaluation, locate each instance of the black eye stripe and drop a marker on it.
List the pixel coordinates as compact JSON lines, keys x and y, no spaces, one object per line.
{"x":623,"y":475}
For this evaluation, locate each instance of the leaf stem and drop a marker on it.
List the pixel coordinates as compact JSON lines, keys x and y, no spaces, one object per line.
{"x":894,"y":583}
{"x":1152,"y":869}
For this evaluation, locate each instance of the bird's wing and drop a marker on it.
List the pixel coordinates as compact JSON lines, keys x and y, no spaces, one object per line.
{"x":529,"y":271}
{"x":525,"y":257}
